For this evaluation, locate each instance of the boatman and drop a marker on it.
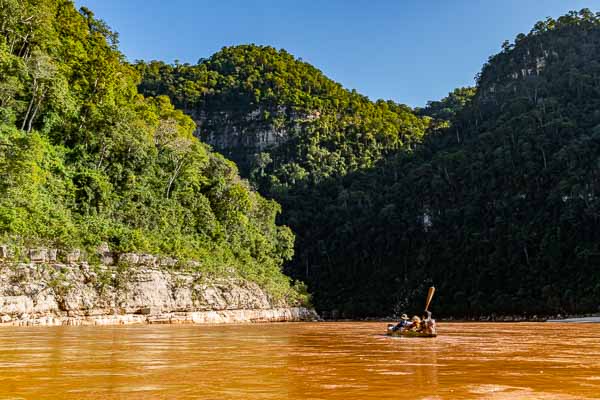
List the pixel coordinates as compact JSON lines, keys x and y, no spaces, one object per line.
{"x":428,"y":324}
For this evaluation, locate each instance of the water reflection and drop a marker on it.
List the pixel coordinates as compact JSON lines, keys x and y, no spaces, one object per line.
{"x":300,"y":361}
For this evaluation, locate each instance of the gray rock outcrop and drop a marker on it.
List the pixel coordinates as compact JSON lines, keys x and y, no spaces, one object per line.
{"x":45,"y":293}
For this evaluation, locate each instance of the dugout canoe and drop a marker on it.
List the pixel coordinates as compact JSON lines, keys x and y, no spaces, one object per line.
{"x":410,"y":334}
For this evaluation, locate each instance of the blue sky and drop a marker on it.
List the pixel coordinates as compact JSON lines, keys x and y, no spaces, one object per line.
{"x":409,"y":51}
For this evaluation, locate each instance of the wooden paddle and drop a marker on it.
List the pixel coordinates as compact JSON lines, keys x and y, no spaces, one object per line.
{"x":429,"y":297}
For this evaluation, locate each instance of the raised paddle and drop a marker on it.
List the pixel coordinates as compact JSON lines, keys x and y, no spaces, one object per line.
{"x":429,"y":297}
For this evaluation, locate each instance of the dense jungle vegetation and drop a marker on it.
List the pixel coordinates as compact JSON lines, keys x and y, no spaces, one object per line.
{"x":86,"y":159}
{"x":491,"y":193}
{"x":281,"y":119}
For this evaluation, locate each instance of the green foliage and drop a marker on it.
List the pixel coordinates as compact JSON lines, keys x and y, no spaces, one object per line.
{"x":291,"y":130}
{"x":85,"y":159}
{"x":489,"y":193}
{"x":280,"y":119}
{"x":499,"y":210}
{"x":446,"y":109}
{"x":497,"y":205}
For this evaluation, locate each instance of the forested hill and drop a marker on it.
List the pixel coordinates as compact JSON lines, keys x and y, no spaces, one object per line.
{"x":512,"y":187}
{"x":86,"y":160}
{"x":281,"y":119}
{"x":295,"y":134}
{"x":497,"y":206}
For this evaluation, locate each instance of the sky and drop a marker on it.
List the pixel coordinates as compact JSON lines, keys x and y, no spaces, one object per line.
{"x":409,"y":51}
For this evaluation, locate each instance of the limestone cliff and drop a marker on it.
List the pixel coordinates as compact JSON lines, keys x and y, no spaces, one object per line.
{"x":228,"y":131}
{"x":46,"y":292}
{"x":242,"y":136}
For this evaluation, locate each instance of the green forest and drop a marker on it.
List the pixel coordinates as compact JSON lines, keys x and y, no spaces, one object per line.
{"x":490,"y":193}
{"x":86,"y":159}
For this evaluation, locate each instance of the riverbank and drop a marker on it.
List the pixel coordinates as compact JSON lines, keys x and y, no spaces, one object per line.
{"x":292,"y":314}
{"x":587,"y":318}
{"x":524,"y":318}
{"x":130,"y":289}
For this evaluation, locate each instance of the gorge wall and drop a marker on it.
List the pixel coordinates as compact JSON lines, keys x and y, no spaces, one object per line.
{"x":136,"y":289}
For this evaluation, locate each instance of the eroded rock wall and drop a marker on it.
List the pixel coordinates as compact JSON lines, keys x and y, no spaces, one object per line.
{"x":76,"y":293}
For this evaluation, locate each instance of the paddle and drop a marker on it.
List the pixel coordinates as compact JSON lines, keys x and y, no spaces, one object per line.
{"x":429,"y":297}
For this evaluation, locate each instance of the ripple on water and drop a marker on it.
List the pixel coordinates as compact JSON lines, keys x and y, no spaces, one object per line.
{"x":145,"y":388}
{"x":486,"y":389}
{"x":395,"y":373}
{"x":343,"y":386}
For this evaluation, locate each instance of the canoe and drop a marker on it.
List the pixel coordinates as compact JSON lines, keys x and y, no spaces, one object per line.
{"x":410,"y":334}
{"x":390,"y":332}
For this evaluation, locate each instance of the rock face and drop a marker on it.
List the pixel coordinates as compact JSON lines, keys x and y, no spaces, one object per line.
{"x":242,"y":136}
{"x":228,"y":131}
{"x":80,"y":294}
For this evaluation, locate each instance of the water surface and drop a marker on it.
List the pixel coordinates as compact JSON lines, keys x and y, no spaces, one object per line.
{"x":301,"y":361}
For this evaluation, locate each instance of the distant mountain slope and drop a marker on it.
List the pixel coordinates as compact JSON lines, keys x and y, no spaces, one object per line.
{"x":279,"y":118}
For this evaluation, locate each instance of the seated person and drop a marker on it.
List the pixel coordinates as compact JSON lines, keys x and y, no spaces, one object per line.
{"x":416,"y":324}
{"x":403,"y":324}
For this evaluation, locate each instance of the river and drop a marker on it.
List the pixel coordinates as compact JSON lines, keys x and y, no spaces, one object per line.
{"x":301,"y":361}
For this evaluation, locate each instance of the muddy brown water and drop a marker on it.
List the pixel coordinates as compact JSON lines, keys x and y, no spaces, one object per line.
{"x":301,"y":361}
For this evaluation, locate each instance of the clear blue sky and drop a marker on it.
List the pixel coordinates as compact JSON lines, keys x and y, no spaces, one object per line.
{"x":410,"y":51}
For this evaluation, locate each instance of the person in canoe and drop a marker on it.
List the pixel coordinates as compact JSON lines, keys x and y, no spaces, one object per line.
{"x":416,"y":327}
{"x":403,"y":324}
{"x":428,"y":324}
{"x":406,"y":324}
{"x":415,"y":324}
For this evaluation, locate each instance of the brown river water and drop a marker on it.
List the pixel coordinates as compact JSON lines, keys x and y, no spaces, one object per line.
{"x":301,"y":361}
